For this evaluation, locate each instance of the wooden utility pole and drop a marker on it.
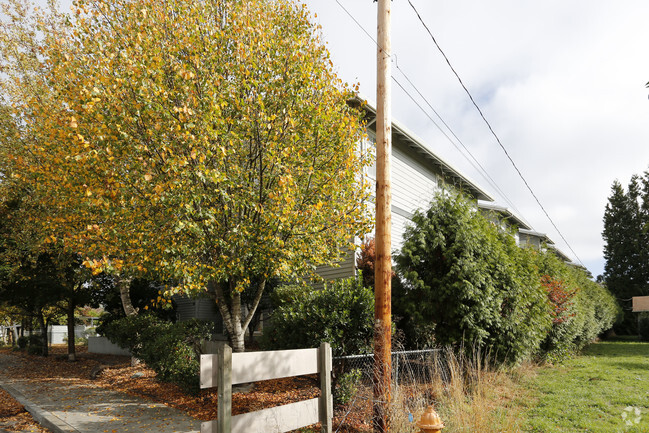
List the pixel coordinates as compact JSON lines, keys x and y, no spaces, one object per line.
{"x":383,"y":264}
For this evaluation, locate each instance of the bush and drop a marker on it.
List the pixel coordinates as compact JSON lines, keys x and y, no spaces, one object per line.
{"x":35,"y":344}
{"x":347,"y":386}
{"x":171,"y":350}
{"x":465,"y":280}
{"x":174,"y":354}
{"x":22,"y":341}
{"x":132,"y":332}
{"x":341,"y":313}
{"x":589,"y":309}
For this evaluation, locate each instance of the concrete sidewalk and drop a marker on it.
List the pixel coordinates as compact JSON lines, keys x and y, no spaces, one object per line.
{"x":71,"y":407}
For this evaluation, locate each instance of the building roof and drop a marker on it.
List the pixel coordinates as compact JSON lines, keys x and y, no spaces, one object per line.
{"x":563,"y":256}
{"x":542,"y":236}
{"x":506,"y":213}
{"x":451,"y":174}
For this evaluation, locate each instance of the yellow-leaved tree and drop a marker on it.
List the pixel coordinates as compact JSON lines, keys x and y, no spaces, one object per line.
{"x":209,"y":141}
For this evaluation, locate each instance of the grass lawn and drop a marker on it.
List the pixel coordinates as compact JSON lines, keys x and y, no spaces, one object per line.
{"x":591,"y":392}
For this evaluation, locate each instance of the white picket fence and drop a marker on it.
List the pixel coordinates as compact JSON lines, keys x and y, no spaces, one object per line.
{"x":224,"y":369}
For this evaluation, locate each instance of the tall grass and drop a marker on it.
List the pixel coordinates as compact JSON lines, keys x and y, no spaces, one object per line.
{"x":469,"y":393}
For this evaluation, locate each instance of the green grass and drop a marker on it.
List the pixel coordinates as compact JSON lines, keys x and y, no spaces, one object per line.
{"x":591,"y":392}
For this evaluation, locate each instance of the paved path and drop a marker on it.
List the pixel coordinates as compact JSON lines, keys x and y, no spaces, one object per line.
{"x":70,"y":407}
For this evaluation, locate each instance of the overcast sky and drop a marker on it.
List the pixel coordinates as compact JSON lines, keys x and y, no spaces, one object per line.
{"x":562,"y":83}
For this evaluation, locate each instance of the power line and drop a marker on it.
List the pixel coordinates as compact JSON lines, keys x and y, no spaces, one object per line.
{"x":349,"y":14}
{"x":482,"y":171}
{"x":492,"y":130}
{"x":475,"y":163}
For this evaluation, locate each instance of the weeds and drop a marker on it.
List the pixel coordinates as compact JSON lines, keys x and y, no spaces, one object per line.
{"x":468,"y":392}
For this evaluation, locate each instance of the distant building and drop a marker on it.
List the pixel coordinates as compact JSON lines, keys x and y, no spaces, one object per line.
{"x":504,"y":218}
{"x":417,"y":174}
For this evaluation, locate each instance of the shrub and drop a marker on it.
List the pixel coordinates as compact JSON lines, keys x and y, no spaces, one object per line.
{"x":347,"y":386}
{"x":22,"y":341}
{"x":466,"y":280}
{"x":174,"y":354}
{"x":35,"y":344}
{"x":132,"y":332}
{"x":582,"y":309}
{"x":171,"y":350}
{"x":341,"y":313}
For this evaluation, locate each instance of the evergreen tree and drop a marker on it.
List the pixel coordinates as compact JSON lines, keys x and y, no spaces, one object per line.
{"x":467,"y":281}
{"x":626,"y":271}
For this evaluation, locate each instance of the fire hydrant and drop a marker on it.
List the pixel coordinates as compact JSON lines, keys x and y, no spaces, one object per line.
{"x":430,"y":422}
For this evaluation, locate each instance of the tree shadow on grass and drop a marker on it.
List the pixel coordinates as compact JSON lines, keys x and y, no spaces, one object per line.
{"x":640,"y":367}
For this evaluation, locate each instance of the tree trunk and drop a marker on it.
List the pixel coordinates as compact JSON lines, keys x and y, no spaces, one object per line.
{"x":251,"y":329}
{"x":232,"y":314}
{"x":72,"y":354}
{"x":238,"y":334}
{"x":124,"y":286}
{"x":43,"y":324}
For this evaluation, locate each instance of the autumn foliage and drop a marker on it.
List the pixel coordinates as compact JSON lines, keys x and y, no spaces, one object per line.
{"x":208,"y":142}
{"x":365,"y":262}
{"x":560,"y":297}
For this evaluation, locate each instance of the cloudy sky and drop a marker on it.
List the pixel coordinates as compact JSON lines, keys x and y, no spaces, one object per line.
{"x":562,"y":83}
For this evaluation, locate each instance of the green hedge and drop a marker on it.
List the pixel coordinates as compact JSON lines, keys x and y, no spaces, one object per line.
{"x":465,"y":281}
{"x":592,"y":310}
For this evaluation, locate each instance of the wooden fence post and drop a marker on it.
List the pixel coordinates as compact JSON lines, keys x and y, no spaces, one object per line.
{"x":224,"y":390}
{"x":210,"y":347}
{"x":225,"y":368}
{"x":326,"y":403}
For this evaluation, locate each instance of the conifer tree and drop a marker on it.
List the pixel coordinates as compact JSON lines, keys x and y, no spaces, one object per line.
{"x":626,"y":271}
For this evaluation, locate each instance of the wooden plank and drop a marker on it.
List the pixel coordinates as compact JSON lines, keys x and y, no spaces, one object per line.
{"x":256,"y":366}
{"x":326,"y":401}
{"x":640,"y":303}
{"x":208,"y":427}
{"x":274,"y":420}
{"x":209,"y":364}
{"x":224,"y":390}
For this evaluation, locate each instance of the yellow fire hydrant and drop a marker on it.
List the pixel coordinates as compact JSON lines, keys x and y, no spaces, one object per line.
{"x":430,"y":422}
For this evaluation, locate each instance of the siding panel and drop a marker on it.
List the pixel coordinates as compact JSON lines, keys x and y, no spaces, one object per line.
{"x":346,"y":269}
{"x":413,"y":185}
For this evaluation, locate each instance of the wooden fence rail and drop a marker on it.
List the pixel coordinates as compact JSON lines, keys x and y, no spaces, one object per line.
{"x":224,"y":369}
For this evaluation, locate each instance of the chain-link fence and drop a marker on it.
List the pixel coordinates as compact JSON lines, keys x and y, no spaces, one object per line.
{"x":407,"y":366}
{"x":413,"y":372}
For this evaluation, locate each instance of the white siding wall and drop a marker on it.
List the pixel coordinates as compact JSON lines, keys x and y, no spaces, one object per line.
{"x":413,"y":186}
{"x":346,"y":269}
{"x":399,"y":224}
